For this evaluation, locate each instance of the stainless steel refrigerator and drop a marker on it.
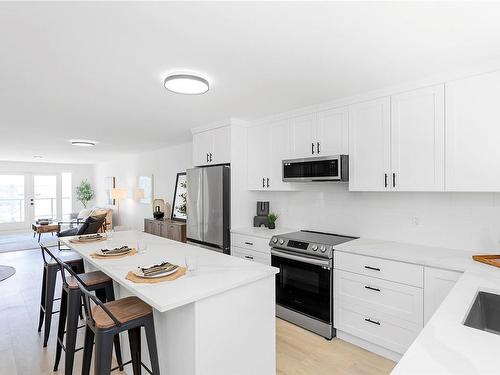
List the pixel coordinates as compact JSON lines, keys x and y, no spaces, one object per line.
{"x":208,"y":211}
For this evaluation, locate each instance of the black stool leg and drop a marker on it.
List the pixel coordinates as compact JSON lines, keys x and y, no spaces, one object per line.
{"x":110,"y":296}
{"x":60,"y":329}
{"x":79,"y":268}
{"x":134,"y":338}
{"x":50,"y":286}
{"x":149,"y":326}
{"x":42,"y":298}
{"x":74,"y":303}
{"x":87,"y":350}
{"x":103,"y":353}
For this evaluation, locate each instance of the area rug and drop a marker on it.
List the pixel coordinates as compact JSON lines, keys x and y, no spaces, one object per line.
{"x":24,"y":241}
{"x":6,"y":272}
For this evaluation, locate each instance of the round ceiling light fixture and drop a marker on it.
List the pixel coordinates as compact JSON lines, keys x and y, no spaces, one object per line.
{"x":83,"y":142}
{"x":186,"y":83}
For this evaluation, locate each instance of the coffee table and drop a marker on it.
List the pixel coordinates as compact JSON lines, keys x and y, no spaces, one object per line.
{"x":48,"y":228}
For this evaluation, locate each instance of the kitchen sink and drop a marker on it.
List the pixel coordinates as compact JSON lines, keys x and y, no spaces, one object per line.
{"x":485,"y":313}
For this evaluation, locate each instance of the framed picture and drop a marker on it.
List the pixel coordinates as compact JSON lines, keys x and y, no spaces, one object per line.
{"x":179,"y":206}
{"x":109,"y":184}
{"x":146,"y":183}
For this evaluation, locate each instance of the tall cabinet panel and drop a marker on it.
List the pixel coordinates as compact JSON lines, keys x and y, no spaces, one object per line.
{"x":304,"y":135}
{"x":473,"y":133}
{"x":417,"y":138}
{"x":369,"y":145}
{"x":332,"y":132}
{"x":258,"y":146}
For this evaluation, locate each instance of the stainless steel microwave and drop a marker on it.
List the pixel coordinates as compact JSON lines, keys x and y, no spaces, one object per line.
{"x":321,"y":168}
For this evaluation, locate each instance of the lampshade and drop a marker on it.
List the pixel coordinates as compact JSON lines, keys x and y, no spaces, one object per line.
{"x":138,"y":193}
{"x":119,"y":193}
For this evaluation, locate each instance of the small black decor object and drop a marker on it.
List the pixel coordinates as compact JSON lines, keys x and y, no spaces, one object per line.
{"x":157,"y":213}
{"x":261,"y":220}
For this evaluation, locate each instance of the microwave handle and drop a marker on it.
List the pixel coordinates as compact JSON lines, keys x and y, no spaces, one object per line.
{"x":326,"y":263}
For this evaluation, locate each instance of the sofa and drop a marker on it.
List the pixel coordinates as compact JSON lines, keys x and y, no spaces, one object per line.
{"x":78,"y":217}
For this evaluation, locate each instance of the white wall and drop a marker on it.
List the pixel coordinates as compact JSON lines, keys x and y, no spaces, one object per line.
{"x":469,"y":221}
{"x":164,"y":164}
{"x":79,"y":172}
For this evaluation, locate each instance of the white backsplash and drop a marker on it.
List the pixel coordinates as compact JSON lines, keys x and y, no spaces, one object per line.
{"x":469,"y":221}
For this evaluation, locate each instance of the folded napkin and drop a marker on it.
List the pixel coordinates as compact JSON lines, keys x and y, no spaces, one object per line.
{"x":116,"y":250}
{"x":158,"y":268}
{"x":90,"y":236}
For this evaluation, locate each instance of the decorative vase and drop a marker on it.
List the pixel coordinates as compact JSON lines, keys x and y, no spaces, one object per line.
{"x":272,"y":225}
{"x":157,"y":213}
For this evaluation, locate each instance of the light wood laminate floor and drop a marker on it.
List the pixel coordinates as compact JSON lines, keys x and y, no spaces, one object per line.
{"x":21,"y":352}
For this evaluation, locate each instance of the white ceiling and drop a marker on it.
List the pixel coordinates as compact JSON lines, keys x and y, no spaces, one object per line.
{"x":94,"y":70}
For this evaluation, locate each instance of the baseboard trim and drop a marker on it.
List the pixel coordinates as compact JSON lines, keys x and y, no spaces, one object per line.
{"x":371,"y":347}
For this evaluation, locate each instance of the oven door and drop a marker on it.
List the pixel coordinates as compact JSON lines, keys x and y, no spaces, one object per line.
{"x":304,"y":284}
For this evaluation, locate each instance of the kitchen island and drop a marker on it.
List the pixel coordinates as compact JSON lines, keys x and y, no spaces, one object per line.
{"x":217,"y":319}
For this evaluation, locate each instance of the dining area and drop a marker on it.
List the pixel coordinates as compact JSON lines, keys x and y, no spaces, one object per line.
{"x":155,"y":305}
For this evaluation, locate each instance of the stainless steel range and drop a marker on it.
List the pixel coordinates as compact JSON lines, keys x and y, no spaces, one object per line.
{"x":304,"y":286}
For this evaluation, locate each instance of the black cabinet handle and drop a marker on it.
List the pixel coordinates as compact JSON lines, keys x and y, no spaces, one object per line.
{"x":249,"y":257}
{"x":394,"y":180}
{"x":372,"y":268}
{"x":372,"y":321}
{"x":385,"y":179}
{"x":317,"y":148}
{"x":268,"y":182}
{"x":263,"y":182}
{"x":210,"y":156}
{"x":207,"y":157}
{"x":312,"y":148}
{"x":372,"y":288}
{"x":249,"y":243}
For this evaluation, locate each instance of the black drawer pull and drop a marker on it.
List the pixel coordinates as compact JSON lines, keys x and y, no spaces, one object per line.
{"x":249,"y":243}
{"x":372,"y":321}
{"x":372,"y":268}
{"x":372,"y":288}
{"x":249,"y":257}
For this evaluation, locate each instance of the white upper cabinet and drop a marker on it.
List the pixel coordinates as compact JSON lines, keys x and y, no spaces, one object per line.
{"x":304,"y":135}
{"x":332,"y":136}
{"x":320,"y":134}
{"x":369,"y":145}
{"x":417,"y":139}
{"x":212,"y":146}
{"x":473,"y":133}
{"x":268,"y":144}
{"x":258,"y":146}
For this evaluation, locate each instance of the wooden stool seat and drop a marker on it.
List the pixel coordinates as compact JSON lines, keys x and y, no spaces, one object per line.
{"x":67,"y":256}
{"x":89,"y":279}
{"x":125,"y":310}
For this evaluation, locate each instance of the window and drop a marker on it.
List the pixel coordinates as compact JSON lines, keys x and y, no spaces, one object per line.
{"x":11,"y":198}
{"x":67,"y":197}
{"x":45,"y":189}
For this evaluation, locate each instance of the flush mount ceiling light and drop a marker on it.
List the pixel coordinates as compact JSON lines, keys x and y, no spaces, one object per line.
{"x":186,"y":83}
{"x":83,"y":142}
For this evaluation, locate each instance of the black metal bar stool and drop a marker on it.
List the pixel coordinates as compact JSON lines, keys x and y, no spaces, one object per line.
{"x":71,"y":300}
{"x":105,"y":320}
{"x":50,"y":270}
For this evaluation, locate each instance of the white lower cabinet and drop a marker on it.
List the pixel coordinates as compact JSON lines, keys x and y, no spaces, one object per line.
{"x":251,"y":248}
{"x":437,"y":285}
{"x":381,"y":309}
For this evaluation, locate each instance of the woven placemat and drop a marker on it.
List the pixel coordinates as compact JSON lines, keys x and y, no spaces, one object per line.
{"x":181,"y":271}
{"x":76,"y":240}
{"x":129,"y":254}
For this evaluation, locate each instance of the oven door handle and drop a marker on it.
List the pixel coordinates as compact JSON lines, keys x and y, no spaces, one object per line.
{"x":326,"y":263}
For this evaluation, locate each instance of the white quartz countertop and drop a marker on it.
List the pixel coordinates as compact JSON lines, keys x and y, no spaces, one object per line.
{"x":451,"y":259}
{"x":215,"y":272}
{"x":445,"y":345}
{"x":261,"y":232}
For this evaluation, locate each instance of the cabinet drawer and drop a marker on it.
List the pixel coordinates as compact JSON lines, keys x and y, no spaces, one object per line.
{"x":404,"y":273}
{"x":250,"y":243}
{"x":378,"y":329}
{"x":364,"y":293}
{"x":251,"y":255}
{"x":173,"y":232}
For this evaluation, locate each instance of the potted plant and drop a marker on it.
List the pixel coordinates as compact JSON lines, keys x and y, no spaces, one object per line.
{"x":271,"y":218}
{"x":84,"y":192}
